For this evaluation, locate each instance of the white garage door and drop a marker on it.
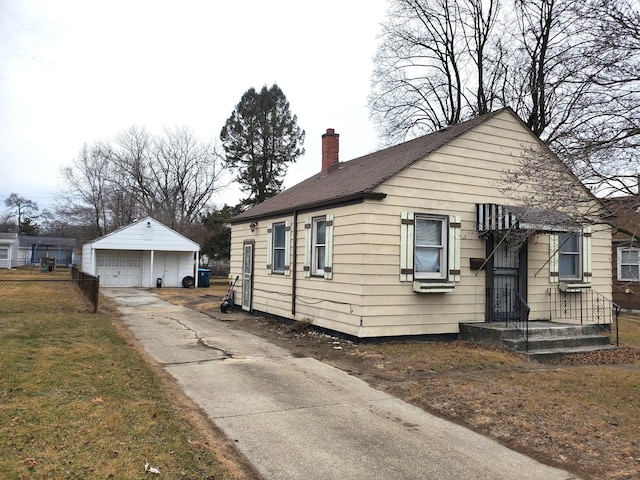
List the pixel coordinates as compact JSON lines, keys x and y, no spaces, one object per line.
{"x":119,"y":268}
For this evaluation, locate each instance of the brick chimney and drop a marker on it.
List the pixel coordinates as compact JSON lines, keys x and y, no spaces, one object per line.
{"x":330,"y":146}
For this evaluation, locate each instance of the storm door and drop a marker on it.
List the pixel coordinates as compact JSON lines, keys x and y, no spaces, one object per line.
{"x":506,"y":279}
{"x":247,"y":276}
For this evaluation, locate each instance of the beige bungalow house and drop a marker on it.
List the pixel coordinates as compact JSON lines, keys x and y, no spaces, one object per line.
{"x":413,"y":240}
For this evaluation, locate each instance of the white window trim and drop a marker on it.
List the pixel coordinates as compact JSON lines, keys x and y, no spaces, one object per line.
{"x":575,"y":256}
{"x":554,"y":260}
{"x":287,"y":249}
{"x":619,"y":262}
{"x":442,"y":248}
{"x":309,"y":247}
{"x":315,"y":271}
{"x":452,"y":252}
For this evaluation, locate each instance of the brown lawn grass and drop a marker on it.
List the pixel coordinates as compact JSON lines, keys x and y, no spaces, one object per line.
{"x":581,"y":413}
{"x":29,"y":290}
{"x":77,"y":401}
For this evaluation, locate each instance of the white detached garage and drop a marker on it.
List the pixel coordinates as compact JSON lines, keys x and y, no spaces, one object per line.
{"x":142,"y":254}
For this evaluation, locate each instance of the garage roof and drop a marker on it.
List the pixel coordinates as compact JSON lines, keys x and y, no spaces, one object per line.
{"x":145,"y":234}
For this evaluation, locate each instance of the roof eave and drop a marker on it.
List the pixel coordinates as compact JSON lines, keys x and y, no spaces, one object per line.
{"x":346,"y":200}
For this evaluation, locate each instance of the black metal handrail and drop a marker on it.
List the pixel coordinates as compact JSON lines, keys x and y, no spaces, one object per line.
{"x":521,"y":322}
{"x":507,"y":305}
{"x":585,"y":306}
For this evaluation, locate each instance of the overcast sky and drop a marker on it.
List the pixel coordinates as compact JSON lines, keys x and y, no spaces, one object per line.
{"x":76,"y":71}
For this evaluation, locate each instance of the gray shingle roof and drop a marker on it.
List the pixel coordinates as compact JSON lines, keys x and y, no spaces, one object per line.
{"x":356,"y":179}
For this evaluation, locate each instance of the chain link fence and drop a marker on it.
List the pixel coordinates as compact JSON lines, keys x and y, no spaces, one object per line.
{"x":61,"y":291}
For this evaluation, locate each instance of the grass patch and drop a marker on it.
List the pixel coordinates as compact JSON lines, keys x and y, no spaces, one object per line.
{"x":29,"y":290}
{"x":76,"y":401}
{"x":581,"y":413}
{"x":629,"y":331}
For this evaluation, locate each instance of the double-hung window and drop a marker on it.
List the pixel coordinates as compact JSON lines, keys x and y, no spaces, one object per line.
{"x":278,"y":248}
{"x":430,"y":251}
{"x":318,"y":248}
{"x":629,"y":264}
{"x":570,"y":257}
{"x":430,"y":256}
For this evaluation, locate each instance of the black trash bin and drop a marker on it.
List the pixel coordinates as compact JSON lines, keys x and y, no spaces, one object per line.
{"x":204,"y":276}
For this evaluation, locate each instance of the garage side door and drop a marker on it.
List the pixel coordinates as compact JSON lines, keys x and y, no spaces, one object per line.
{"x":119,"y":268}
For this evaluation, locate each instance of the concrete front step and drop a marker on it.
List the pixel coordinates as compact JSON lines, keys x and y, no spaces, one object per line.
{"x":546,"y":340}
{"x":553,"y":354}
{"x":555,"y":342}
{"x":550,"y":330}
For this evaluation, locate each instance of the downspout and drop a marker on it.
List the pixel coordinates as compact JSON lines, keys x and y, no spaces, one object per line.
{"x":294,"y":263}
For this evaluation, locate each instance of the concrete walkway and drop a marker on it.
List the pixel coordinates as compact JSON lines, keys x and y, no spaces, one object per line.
{"x":298,"y":418}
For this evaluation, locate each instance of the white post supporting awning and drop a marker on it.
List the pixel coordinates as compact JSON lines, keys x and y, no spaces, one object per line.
{"x":151,"y":271}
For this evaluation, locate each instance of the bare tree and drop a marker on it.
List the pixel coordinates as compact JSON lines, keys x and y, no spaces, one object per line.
{"x":546,"y":188}
{"x":22,"y":208}
{"x":422,"y":79}
{"x":569,"y":68}
{"x":170,"y":177}
{"x":186,"y":174}
{"x":603,"y":142}
{"x":478,"y":21}
{"x":84,"y":198}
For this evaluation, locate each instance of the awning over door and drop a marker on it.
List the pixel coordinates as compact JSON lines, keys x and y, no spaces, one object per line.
{"x":492,"y":217}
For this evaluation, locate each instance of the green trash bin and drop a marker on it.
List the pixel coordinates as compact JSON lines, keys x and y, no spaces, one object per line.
{"x":204,"y":277}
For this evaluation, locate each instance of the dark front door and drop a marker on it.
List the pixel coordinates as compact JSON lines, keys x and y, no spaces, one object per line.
{"x":506,"y":279}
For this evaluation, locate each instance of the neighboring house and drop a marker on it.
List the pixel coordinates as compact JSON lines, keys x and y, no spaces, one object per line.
{"x":143,"y":254}
{"x":414,"y":239}
{"x":8,"y":250}
{"x":34,"y":248}
{"x":626,"y":250}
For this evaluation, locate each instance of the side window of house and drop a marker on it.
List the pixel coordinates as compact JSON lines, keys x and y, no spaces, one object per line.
{"x":278,"y":232}
{"x":430,"y":250}
{"x":279,"y":248}
{"x":318,"y":249}
{"x":628,"y":264}
{"x":430,"y":247}
{"x":4,"y":253}
{"x":318,"y":246}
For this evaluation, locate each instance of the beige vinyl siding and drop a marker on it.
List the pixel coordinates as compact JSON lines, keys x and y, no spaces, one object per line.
{"x":271,"y":292}
{"x":365,"y":297}
{"x":337,"y":303}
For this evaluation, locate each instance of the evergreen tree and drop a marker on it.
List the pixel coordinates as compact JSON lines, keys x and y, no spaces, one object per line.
{"x":260,"y":139}
{"x":218,"y":244}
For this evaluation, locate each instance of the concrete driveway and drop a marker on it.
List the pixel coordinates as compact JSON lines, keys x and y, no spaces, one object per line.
{"x":298,"y":418}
